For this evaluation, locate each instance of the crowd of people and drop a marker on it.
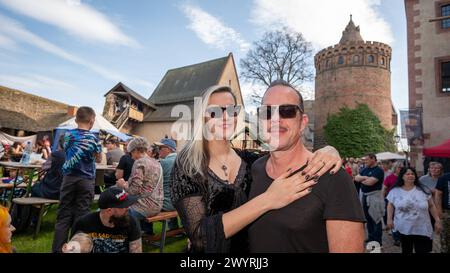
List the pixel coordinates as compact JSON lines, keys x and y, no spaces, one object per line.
{"x":415,"y":208}
{"x":231,"y":200}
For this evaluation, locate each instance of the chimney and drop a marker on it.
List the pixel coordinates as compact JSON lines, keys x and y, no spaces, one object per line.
{"x":72,"y":111}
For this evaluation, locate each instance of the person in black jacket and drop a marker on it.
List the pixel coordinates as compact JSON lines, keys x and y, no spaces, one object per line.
{"x":50,"y":186}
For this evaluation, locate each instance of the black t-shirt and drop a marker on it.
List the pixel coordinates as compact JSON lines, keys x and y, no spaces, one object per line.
{"x":106,"y":239}
{"x":376,"y":172}
{"x":443,"y":185}
{"x":301,"y":226}
{"x":126,"y":164}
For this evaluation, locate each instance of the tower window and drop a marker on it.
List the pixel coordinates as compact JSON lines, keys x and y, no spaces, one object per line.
{"x":445,"y":77}
{"x":356,"y":59}
{"x":370,"y":59}
{"x":328,"y":64}
{"x":341,"y":60}
{"x":382,"y":61}
{"x":445,"y":11}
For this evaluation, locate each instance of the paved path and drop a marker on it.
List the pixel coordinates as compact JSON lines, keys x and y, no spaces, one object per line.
{"x":389,"y":247}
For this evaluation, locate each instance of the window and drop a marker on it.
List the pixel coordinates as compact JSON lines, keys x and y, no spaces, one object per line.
{"x":370,"y":59}
{"x":445,"y":11}
{"x":341,"y":60}
{"x":445,"y":77}
{"x":382,"y":61}
{"x":356,"y":59}
{"x":328,"y":64}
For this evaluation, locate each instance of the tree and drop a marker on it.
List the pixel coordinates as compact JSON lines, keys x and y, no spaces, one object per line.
{"x":357,"y":132}
{"x":280,"y":54}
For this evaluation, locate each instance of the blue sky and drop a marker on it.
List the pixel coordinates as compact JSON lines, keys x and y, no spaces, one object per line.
{"x":75,"y":51}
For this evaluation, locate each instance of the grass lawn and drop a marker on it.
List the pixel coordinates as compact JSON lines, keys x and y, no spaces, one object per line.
{"x":24,"y":243}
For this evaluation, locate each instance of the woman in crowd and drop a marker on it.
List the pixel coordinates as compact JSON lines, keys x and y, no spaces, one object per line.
{"x":145,"y":180}
{"x":210,"y":179}
{"x":16,"y":151}
{"x":6,"y":230}
{"x":41,"y":149}
{"x":409,"y":208}
{"x":388,"y":183}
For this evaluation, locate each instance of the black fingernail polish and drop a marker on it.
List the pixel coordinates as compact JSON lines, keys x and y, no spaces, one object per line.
{"x":303,"y":173}
{"x":310,"y":190}
{"x":307,"y":177}
{"x":316,"y":179}
{"x":332,"y":172}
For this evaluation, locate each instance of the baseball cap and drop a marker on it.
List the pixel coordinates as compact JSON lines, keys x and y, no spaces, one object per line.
{"x":114,"y":197}
{"x":167,"y":142}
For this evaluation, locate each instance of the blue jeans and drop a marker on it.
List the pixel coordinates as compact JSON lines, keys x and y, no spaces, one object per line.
{"x":145,"y":226}
{"x":375,"y":230}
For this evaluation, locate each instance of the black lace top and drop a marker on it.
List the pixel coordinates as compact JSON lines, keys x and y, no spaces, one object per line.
{"x":201,"y":208}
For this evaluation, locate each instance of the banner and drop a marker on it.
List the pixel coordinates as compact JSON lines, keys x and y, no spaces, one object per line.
{"x":5,"y":138}
{"x":411,"y":122}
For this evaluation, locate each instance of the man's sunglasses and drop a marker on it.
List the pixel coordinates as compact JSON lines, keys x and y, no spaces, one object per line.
{"x":265,"y":112}
{"x":217,"y":111}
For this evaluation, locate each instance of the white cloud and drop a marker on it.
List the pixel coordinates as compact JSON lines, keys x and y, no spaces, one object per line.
{"x":7,"y":43}
{"x":13,"y":29}
{"x":35,"y":82}
{"x":212,"y":31}
{"x":322,"y":21}
{"x":77,"y":18}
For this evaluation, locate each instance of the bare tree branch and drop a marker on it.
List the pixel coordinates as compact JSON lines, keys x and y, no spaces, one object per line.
{"x":280,"y":54}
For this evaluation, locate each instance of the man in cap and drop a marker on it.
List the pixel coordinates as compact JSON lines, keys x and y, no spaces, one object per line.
{"x":167,"y":153}
{"x":112,"y":229}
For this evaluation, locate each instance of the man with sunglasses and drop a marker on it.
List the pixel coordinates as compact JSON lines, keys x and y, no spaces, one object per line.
{"x":330,"y":218}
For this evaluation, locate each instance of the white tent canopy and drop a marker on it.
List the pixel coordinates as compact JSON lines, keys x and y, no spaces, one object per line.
{"x":389,"y":156}
{"x":100,"y":124}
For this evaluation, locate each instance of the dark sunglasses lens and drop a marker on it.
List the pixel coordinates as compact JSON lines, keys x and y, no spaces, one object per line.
{"x":233,"y":111}
{"x":214,"y":112}
{"x":287,"y":111}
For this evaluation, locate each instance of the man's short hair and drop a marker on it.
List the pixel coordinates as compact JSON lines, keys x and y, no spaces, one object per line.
{"x":372,"y":156}
{"x":85,"y":114}
{"x":286,"y":84}
{"x":112,"y":140}
{"x":436,"y":164}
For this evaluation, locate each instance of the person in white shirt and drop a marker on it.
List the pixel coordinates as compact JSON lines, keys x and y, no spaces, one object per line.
{"x":409,"y":208}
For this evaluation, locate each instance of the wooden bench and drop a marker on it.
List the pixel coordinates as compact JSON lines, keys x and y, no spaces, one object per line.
{"x":38,"y":202}
{"x":164,"y":218}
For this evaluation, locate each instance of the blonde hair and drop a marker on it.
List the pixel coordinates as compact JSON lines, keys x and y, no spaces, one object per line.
{"x":85,"y":241}
{"x":193,"y":157}
{"x":5,"y":246}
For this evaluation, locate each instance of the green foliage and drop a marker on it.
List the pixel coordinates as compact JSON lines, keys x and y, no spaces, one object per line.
{"x":357,"y":132}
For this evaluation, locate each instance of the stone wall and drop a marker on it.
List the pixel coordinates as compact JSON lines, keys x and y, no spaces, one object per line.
{"x":30,"y":105}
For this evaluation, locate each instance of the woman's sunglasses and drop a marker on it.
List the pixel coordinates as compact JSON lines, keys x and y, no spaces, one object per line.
{"x":217,"y":111}
{"x":265,"y":112}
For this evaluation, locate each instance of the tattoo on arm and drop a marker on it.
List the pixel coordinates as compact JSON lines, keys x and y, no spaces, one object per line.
{"x":136,"y":246}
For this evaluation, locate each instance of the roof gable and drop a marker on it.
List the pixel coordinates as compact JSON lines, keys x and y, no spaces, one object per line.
{"x":184,"y":83}
{"x":122,"y":87}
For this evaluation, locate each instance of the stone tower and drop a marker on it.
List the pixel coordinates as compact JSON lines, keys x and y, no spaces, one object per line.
{"x":351,"y":72}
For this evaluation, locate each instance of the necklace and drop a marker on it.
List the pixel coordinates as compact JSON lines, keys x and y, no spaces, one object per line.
{"x":224,"y":166}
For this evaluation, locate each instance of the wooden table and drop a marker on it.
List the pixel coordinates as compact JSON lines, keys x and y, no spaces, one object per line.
{"x":19,"y":166}
{"x":100,"y":174}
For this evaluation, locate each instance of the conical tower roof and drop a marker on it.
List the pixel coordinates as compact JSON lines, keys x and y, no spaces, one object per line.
{"x":351,"y":33}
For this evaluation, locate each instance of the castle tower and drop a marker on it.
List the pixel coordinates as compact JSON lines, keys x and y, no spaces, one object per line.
{"x":351,"y":72}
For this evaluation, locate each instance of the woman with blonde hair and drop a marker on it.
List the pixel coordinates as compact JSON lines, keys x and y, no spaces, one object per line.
{"x":6,"y":230}
{"x":211,"y":180}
